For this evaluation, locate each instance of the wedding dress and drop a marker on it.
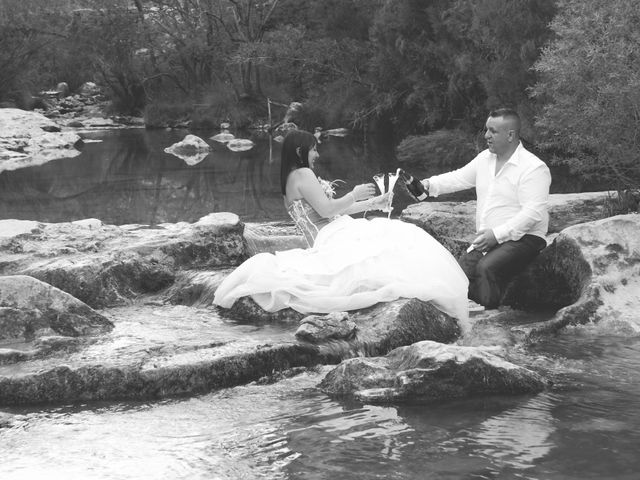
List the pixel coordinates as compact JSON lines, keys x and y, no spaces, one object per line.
{"x":350,"y":264}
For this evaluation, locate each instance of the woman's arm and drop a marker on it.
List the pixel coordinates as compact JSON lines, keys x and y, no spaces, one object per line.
{"x":375,"y":203}
{"x":309,"y":188}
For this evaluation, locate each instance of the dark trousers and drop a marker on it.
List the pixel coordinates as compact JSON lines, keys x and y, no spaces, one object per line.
{"x":490,"y":274}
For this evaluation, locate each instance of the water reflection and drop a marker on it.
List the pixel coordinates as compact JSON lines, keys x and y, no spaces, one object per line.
{"x":128,"y":178}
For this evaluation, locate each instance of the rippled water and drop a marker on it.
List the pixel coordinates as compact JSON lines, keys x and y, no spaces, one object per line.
{"x":586,"y":426}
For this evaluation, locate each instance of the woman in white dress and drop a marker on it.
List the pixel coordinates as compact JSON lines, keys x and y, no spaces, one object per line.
{"x":350,"y":263}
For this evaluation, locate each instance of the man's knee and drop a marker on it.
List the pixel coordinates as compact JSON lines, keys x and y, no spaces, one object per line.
{"x":468,"y":262}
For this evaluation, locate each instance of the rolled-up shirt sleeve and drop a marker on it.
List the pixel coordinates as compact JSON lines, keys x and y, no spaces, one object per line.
{"x":533,"y":197}
{"x":454,"y":181}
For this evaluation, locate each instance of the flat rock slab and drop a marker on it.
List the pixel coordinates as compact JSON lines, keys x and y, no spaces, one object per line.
{"x":105,"y":265}
{"x":428,"y":371}
{"x":30,"y":138}
{"x":158,"y":351}
{"x":155,"y":352}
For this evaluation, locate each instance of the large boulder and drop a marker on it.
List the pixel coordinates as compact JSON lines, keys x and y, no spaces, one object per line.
{"x":454,"y":223}
{"x":369,"y":331}
{"x":30,"y":308}
{"x":104,"y":265}
{"x":428,"y":371}
{"x":378,"y":329}
{"x":591,"y":270}
{"x":30,"y":138}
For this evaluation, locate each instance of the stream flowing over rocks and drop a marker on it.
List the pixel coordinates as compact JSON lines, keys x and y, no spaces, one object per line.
{"x":89,"y":311}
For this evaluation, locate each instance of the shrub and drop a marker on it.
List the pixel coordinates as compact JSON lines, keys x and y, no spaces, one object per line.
{"x":442,"y":148}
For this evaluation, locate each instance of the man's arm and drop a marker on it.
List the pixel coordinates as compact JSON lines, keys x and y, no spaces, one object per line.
{"x":533,"y":196}
{"x":454,"y":181}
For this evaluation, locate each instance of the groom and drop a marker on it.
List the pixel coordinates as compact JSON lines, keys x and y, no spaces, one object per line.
{"x":512,"y":188}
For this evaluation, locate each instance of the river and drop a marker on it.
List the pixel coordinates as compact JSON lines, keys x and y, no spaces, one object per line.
{"x":586,"y":426}
{"x":124,"y":176}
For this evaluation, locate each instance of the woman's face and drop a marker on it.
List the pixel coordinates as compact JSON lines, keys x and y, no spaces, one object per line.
{"x":313,"y":156}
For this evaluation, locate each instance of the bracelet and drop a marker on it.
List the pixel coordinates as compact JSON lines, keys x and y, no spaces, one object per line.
{"x":353,"y":197}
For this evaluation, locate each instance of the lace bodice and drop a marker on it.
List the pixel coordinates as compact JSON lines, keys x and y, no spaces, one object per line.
{"x":308,"y":221}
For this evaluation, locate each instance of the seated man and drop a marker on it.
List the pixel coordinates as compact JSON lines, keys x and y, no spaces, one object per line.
{"x":512,"y":188}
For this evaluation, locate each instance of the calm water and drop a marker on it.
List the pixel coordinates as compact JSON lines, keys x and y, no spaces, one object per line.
{"x":586,"y":427}
{"x":128,"y":178}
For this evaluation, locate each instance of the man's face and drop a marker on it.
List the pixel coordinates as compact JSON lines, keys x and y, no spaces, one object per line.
{"x":498,"y":135}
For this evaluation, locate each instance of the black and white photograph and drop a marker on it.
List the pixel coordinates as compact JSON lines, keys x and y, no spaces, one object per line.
{"x":319,"y":240}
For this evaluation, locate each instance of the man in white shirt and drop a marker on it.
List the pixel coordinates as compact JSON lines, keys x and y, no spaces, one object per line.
{"x":512,"y":188}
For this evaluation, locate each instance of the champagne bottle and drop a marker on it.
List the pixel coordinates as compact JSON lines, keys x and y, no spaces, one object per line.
{"x":414,"y":186}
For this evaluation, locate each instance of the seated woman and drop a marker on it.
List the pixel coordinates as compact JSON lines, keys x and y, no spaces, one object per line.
{"x":350,"y":263}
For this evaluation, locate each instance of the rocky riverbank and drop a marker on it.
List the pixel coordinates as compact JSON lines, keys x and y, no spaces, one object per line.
{"x":137,"y":322}
{"x":29,"y":138}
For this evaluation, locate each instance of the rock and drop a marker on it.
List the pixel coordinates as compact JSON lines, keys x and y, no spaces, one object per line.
{"x":223,"y":137}
{"x":13,"y":228}
{"x":62,"y":89}
{"x":29,"y":138}
{"x":240,"y":145}
{"x":192,"y":149}
{"x":429,"y":371}
{"x":143,"y":360}
{"x":281,"y":131}
{"x":454,"y":225}
{"x":195,"y":288}
{"x":89,"y":89}
{"x":555,"y":279}
{"x":105,"y":265}
{"x":323,"y":328}
{"x":337,"y":132}
{"x":378,"y":329}
{"x":593,"y":269}
{"x":272,"y":237}
{"x":51,"y":128}
{"x":246,"y":310}
{"x":29,"y":308}
{"x":75,"y":124}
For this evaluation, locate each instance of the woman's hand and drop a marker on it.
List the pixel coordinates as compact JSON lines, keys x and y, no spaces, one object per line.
{"x":364,"y":191}
{"x":381,"y":202}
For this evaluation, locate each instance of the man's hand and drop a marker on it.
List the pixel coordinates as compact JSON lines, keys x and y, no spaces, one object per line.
{"x":485,"y":240}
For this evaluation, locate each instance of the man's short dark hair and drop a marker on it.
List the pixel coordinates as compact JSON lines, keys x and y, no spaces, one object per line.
{"x":508,"y":114}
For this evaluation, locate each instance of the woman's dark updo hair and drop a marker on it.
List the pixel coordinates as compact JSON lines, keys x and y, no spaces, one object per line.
{"x":289,"y":158}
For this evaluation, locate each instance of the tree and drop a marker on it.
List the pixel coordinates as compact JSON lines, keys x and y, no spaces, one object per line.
{"x":110,"y":36}
{"x":30,"y":33}
{"x":443,"y":64}
{"x":590,"y":90}
{"x":245,"y":22}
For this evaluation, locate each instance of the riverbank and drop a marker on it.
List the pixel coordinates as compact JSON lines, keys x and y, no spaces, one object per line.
{"x":139,"y":278}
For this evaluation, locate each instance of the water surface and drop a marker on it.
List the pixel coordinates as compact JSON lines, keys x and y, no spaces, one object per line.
{"x":126,"y":177}
{"x":586,"y":426}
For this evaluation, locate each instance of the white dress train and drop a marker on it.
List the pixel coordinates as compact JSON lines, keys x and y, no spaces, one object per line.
{"x":353,"y":264}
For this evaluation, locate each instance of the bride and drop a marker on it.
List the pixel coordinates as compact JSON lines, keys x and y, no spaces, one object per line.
{"x":350,"y":263}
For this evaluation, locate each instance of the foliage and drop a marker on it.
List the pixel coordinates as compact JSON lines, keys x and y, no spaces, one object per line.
{"x":110,"y":37}
{"x":442,"y":148}
{"x":31,"y":33}
{"x":590,"y":88}
{"x":446,"y":63}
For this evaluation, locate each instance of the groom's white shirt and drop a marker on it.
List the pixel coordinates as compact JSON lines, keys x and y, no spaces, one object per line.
{"x":513,"y":202}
